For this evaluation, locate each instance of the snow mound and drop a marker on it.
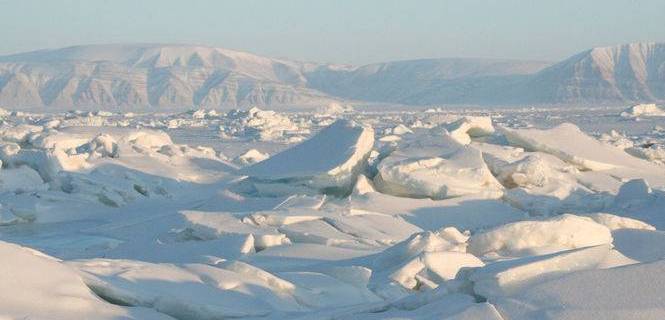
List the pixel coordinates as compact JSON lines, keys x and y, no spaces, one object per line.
{"x":436,"y":167}
{"x":330,"y":161}
{"x":521,"y":238}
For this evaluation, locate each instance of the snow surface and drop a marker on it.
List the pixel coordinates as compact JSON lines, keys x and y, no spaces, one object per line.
{"x":258,"y":214}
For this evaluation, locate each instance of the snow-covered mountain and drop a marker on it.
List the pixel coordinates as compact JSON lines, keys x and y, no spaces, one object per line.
{"x":183,"y":76}
{"x":150,"y":75}
{"x":619,"y":74}
{"x":417,"y":81}
{"x":631,"y":72}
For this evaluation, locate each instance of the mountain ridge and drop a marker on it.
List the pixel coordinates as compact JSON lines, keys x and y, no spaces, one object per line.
{"x":185,"y":76}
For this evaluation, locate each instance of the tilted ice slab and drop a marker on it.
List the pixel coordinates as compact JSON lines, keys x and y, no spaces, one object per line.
{"x":226,"y":290}
{"x":570,"y":144}
{"x":328,"y":162}
{"x":435,"y":166}
{"x":36,"y":286}
{"x":510,"y":276}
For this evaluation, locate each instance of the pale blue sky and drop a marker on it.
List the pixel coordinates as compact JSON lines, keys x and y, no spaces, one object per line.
{"x":343,"y":31}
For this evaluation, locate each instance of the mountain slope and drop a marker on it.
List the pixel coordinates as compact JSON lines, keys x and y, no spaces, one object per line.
{"x":409,"y":81}
{"x":150,"y":75}
{"x":631,"y":72}
{"x":182,"y":76}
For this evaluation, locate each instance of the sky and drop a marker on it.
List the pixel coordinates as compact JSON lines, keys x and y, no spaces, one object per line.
{"x":339,"y":31}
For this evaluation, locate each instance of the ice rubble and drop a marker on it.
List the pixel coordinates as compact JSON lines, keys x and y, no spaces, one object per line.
{"x":43,"y":167}
{"x":330,"y":162}
{"x":586,"y":152}
{"x":257,"y":124}
{"x":421,"y":262}
{"x":445,"y":214}
{"x":435,"y":166}
{"x":648,"y":151}
{"x":643,"y":110}
{"x":616,"y":139}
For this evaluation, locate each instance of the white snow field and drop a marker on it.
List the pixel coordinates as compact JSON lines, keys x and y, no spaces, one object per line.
{"x":339,"y":213}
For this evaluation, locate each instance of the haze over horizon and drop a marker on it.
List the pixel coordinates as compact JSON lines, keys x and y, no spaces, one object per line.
{"x":339,"y":31}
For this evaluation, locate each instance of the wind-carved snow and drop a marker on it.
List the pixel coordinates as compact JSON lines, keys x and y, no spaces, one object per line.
{"x":338,"y":214}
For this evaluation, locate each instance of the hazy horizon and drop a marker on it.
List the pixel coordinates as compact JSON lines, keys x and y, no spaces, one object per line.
{"x":339,"y":31}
